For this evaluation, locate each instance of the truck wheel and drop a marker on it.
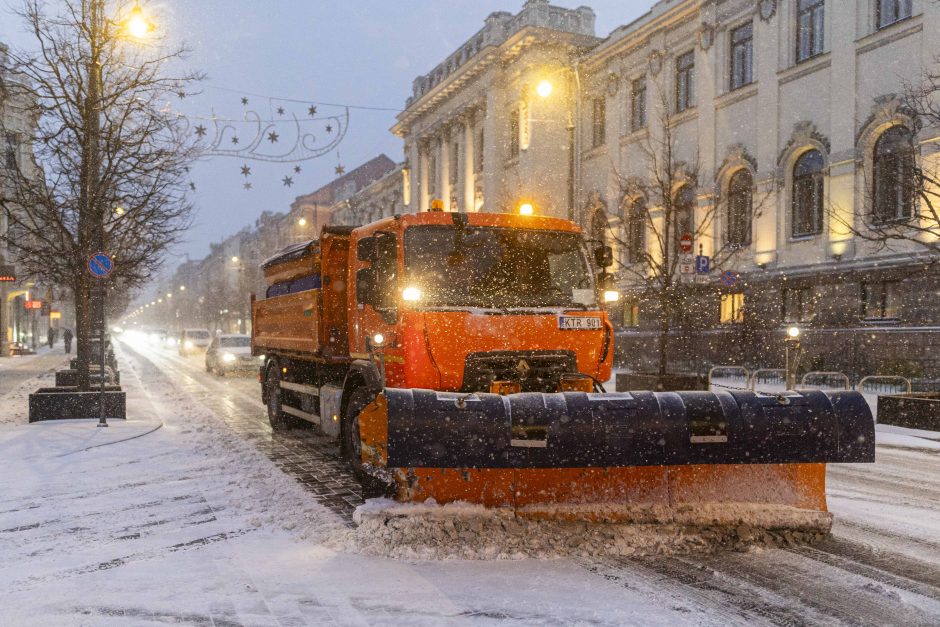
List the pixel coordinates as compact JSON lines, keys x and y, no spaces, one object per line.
{"x":276,"y":416}
{"x":352,"y":445}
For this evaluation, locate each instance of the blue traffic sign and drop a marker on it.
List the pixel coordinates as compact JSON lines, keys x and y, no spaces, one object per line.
{"x":703,"y":264}
{"x":729,"y":278}
{"x":100,"y":265}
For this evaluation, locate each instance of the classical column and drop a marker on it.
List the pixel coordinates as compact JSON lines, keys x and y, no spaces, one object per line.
{"x":469,"y":155}
{"x":444,"y":167}
{"x":411,"y":185}
{"x":424,"y":181}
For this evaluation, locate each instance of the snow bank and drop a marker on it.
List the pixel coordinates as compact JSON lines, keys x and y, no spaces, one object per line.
{"x":428,"y":531}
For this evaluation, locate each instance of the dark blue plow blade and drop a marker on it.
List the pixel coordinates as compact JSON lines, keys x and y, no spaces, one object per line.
{"x":428,"y":429}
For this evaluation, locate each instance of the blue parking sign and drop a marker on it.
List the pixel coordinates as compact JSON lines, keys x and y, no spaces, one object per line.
{"x":702,"y":264}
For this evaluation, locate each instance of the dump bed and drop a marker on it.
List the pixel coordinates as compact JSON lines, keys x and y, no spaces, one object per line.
{"x":295,"y":315}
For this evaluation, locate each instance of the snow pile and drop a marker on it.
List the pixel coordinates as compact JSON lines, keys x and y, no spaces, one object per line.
{"x":428,"y":531}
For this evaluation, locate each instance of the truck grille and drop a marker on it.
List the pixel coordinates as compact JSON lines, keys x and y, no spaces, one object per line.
{"x":536,"y":371}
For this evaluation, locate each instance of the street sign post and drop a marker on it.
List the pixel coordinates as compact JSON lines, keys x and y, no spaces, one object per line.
{"x":730,"y":278}
{"x":702,"y":264}
{"x":686,"y":264}
{"x":100,"y":266}
{"x":685,"y":243}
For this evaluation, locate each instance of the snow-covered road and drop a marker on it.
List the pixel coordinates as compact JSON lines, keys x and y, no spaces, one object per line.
{"x":211,"y":520}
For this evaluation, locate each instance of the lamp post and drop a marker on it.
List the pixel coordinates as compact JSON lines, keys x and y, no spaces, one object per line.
{"x":792,"y":350}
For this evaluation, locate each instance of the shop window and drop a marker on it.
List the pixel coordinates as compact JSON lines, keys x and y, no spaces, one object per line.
{"x":732,"y":308}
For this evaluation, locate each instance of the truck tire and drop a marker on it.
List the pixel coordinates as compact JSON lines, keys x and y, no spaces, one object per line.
{"x":276,"y":416}
{"x":352,"y":445}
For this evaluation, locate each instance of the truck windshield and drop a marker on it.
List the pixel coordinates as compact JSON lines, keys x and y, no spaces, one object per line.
{"x":492,"y":267}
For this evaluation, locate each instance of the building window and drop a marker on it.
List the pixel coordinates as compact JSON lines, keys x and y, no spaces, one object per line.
{"x":631,"y":312}
{"x":742,"y":56}
{"x":10,"y":150}
{"x":514,"y":133}
{"x":740,"y":191}
{"x":599,"y":122}
{"x":798,"y":305}
{"x":810,"y":28}
{"x":683,"y":213}
{"x":893,"y":176}
{"x":638,"y":104}
{"x":808,"y":194}
{"x":685,"y":81}
{"x":891,"y":11}
{"x":636,"y":231}
{"x":732,"y":308}
{"x":454,"y":161}
{"x":880,"y":301}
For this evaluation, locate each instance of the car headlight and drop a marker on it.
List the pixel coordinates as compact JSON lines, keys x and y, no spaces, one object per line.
{"x":228,"y":358}
{"x":261,"y":358}
{"x":188,"y":344}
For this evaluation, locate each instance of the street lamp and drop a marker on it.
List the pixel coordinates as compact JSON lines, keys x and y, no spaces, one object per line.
{"x":544,"y":88}
{"x":302,"y":222}
{"x":792,"y":350}
{"x":137,"y":24}
{"x":234,"y":259}
{"x":182,"y":288}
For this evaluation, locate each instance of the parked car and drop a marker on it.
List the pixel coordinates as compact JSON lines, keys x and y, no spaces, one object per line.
{"x":193,"y":341}
{"x":231,"y":353}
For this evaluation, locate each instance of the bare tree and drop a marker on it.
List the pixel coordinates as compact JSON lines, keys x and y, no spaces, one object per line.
{"x":110,"y":159}
{"x":667,"y":209}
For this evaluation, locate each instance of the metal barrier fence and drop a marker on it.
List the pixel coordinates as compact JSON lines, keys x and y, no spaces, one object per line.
{"x":883,"y":386}
{"x":736,"y":374}
{"x":846,"y":385}
{"x":777,"y":375}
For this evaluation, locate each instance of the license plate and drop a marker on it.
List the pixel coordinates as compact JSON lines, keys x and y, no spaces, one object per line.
{"x":579,"y":323}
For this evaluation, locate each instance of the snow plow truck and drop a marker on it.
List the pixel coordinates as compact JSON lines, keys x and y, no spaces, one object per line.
{"x":458,"y":357}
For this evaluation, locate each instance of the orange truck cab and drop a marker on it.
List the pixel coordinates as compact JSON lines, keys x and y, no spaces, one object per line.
{"x":443,"y":301}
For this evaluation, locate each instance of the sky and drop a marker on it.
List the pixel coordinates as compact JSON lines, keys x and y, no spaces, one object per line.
{"x":359,"y":52}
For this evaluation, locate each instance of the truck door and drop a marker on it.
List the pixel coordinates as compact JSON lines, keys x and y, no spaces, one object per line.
{"x":334,"y":329}
{"x":376,"y":288}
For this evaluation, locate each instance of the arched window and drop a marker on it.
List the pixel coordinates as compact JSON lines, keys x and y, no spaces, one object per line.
{"x":636,"y":231}
{"x":808,"y":194}
{"x":893,"y":176}
{"x":740,"y":189}
{"x":684,"y":213}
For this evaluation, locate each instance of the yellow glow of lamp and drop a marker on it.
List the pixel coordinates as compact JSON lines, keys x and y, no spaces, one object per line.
{"x":544,"y":88}
{"x":137,"y":23}
{"x":437,"y":205}
{"x":302,"y":222}
{"x":526,"y":209}
{"x":793,"y":332}
{"x":411,"y":294}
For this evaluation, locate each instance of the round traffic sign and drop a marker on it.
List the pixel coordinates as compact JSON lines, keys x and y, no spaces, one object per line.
{"x":100,"y":265}
{"x":729,"y":278}
{"x":685,"y":243}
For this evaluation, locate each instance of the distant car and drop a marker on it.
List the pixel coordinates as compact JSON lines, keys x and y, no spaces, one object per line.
{"x":231,"y":353}
{"x":193,"y":341}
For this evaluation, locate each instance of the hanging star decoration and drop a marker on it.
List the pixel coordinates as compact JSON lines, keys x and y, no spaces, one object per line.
{"x":297,"y":169}
{"x":246,"y":171}
{"x":280,"y":110}
{"x":181,"y":94}
{"x":329,"y":128}
{"x":340,"y":170}
{"x":312,"y":110}
{"x":244,"y":100}
{"x":192,"y":186}
{"x":288,"y":181}
{"x":247,"y":186}
{"x":273,"y":137}
{"x":235,"y":139}
{"x":201,"y":130}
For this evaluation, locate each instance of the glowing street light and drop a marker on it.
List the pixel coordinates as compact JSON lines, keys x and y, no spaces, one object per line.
{"x":544,"y":88}
{"x":302,"y":222}
{"x":182,"y":288}
{"x":526,"y":209}
{"x":234,"y":259}
{"x":793,"y":332}
{"x":137,"y":24}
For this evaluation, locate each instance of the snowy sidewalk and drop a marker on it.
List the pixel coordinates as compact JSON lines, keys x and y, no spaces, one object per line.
{"x":189,"y":524}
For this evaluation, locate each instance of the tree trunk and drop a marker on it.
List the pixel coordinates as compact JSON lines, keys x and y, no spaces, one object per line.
{"x":83,"y":326}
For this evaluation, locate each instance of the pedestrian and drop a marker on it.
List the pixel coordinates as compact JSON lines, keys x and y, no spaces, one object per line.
{"x":50,"y":337}
{"x":67,"y":337}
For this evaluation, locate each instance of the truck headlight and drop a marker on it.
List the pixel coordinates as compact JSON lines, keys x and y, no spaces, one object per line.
{"x":411,"y":294}
{"x":188,"y":344}
{"x":611,"y":296}
{"x":228,"y":358}
{"x":261,"y":358}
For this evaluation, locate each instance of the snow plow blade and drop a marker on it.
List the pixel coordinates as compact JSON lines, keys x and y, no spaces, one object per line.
{"x":639,"y":456}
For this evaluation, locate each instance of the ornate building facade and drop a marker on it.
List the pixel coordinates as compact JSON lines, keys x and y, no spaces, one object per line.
{"x":788,"y":146}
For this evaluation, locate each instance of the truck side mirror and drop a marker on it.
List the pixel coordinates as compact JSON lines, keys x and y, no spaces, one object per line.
{"x":366,"y":249}
{"x":365,"y":286}
{"x":604,"y":256}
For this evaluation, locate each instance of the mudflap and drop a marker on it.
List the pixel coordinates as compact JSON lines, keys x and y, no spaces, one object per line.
{"x":693,"y":457}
